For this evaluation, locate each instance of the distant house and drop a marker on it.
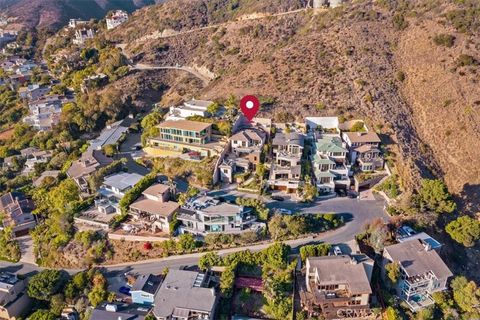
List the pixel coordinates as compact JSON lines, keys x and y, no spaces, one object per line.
{"x":35,"y":158}
{"x":116,"y":18}
{"x":364,"y":148}
{"x":89,"y":162}
{"x":203,"y":215}
{"x":111,"y":134}
{"x":337,"y":285}
{"x":53,"y":174}
{"x":14,"y":301}
{"x":33,"y":91}
{"x":113,"y":189}
{"x":117,"y":311}
{"x":189,"y":109}
{"x":17,"y":210}
{"x":185,"y":295}
{"x":144,"y":289}
{"x":326,"y":3}
{"x":154,"y":209}
{"x":82,"y":35}
{"x":285,"y":172}
{"x":422,"y":272}
{"x":45,"y":112}
{"x":73,"y":23}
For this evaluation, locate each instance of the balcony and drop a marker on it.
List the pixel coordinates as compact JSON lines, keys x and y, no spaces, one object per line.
{"x":419,"y":301}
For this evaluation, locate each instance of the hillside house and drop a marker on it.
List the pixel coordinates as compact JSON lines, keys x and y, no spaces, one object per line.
{"x":153,"y":209}
{"x":246,"y":148}
{"x":286,"y":170}
{"x":45,"y":112}
{"x":113,"y":189}
{"x":82,"y":35}
{"x":116,"y":18}
{"x":185,"y":295}
{"x":83,"y":168}
{"x":36,"y":158}
{"x":422,"y":271}
{"x":14,"y":301}
{"x":330,"y":163}
{"x":111,"y":134}
{"x":203,"y":215}
{"x":189,"y":109}
{"x":17,"y":211}
{"x":338,"y":286}
{"x":117,"y":311}
{"x":33,"y":91}
{"x":184,"y":137}
{"x":73,"y":23}
{"x":364,"y":149}
{"x":144,"y":289}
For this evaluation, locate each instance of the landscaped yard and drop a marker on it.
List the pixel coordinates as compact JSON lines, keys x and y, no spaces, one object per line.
{"x":248,"y":303}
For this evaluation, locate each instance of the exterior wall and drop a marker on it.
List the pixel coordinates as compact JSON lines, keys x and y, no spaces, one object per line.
{"x":142,"y":297}
{"x":175,"y":146}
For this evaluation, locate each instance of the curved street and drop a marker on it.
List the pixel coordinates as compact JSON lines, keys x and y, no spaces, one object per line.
{"x":355,"y":212}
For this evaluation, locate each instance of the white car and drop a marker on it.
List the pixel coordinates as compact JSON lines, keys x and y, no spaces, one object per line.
{"x":284,"y":211}
{"x":337,"y":251}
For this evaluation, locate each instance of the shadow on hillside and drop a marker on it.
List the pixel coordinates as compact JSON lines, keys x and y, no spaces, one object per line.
{"x":469,"y":199}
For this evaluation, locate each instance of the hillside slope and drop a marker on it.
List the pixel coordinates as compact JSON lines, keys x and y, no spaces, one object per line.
{"x":55,"y":13}
{"x":365,"y":60}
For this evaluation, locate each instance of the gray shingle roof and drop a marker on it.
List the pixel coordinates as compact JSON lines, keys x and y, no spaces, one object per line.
{"x":179,"y":294}
{"x":416,"y":260}
{"x":147,"y":283}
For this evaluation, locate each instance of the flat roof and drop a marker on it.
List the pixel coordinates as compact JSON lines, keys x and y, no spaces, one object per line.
{"x":157,"y":189}
{"x":122,"y":180}
{"x":185,"y":125}
{"x":363,"y":137}
{"x":164,"y":209}
{"x":333,"y":270}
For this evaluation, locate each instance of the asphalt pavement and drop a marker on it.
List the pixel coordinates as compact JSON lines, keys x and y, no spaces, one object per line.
{"x":355,"y":212}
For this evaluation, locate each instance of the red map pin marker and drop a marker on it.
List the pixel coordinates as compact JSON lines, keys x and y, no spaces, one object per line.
{"x":250,"y":106}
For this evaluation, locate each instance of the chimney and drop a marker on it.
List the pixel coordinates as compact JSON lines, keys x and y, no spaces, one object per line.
{"x":428,"y":246}
{"x":359,"y":134}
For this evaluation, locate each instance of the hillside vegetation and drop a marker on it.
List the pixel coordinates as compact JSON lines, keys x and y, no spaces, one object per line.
{"x":409,"y":67}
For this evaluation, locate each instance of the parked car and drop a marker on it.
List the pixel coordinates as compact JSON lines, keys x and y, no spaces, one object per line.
{"x":337,"y":251}
{"x":352,"y":194}
{"x":409,"y":231}
{"x":124,"y":290}
{"x":278,"y":198}
{"x":284,"y":211}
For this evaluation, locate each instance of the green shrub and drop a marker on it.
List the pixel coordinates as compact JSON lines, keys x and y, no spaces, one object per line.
{"x":314,"y":250}
{"x":464,"y":230}
{"x":465,"y":60}
{"x":399,"y":22}
{"x":446,"y":40}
